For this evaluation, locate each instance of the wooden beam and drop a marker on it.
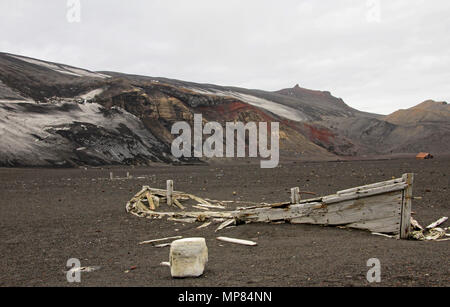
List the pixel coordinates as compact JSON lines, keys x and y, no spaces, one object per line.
{"x":364,"y":193}
{"x":405,"y":224}
{"x":295,"y":195}
{"x":370,"y":186}
{"x":169,"y":192}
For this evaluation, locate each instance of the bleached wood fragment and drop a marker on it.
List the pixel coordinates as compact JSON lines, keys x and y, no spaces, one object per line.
{"x":160,"y":240}
{"x":162,"y":245}
{"x":437,"y":223}
{"x":150,"y":201}
{"x":295,"y":195}
{"x":237,"y":241}
{"x":200,"y":207}
{"x":382,"y":235}
{"x":178,"y":204}
{"x":205,"y":214}
{"x":363,"y":193}
{"x":226,"y":224}
{"x":169,"y":192}
{"x":405,"y":222}
{"x":210,"y":206}
{"x":185,"y":220}
{"x":204,"y":225}
{"x":370,"y":186}
{"x":415,"y":224}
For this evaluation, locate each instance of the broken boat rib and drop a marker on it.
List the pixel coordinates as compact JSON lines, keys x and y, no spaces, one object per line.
{"x":383,"y":207}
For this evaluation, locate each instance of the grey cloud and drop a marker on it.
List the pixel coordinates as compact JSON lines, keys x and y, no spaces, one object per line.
{"x":327,"y":44}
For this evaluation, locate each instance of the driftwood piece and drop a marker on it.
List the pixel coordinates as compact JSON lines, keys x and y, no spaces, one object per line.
{"x":178,"y":204}
{"x":237,"y":241}
{"x":204,"y":225}
{"x":183,"y":220}
{"x":295,"y":195}
{"x":405,"y":222}
{"x":226,"y":224}
{"x":150,"y":201}
{"x":169,"y":192}
{"x":415,"y":224}
{"x":211,"y":206}
{"x":160,"y":240}
{"x":437,"y":223}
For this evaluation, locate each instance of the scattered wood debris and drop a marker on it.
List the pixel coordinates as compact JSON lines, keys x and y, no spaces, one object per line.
{"x":383,"y":208}
{"x":431,"y":233}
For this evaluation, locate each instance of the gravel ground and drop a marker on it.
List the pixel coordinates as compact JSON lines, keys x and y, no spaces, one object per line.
{"x":51,"y":215}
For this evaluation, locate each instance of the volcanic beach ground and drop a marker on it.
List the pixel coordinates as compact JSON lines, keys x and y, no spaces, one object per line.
{"x":51,"y":215}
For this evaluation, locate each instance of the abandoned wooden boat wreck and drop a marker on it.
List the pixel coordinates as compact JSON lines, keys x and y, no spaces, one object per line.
{"x":383,"y":207}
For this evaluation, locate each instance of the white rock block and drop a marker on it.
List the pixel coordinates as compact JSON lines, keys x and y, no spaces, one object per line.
{"x":188,"y":257}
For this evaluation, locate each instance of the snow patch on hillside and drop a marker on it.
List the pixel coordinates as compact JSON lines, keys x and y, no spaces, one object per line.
{"x":271,"y":106}
{"x":91,"y":95}
{"x":29,"y":132}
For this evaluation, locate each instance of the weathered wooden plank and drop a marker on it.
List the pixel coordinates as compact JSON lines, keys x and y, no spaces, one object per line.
{"x":226,"y":224}
{"x":205,"y":214}
{"x":160,"y":240}
{"x":210,"y":206}
{"x":268,"y":214}
{"x":354,"y":211}
{"x":237,"y":241}
{"x":169,"y":192}
{"x":405,"y":223}
{"x":295,"y":195}
{"x":178,"y":204}
{"x":365,"y":193}
{"x":437,"y":223}
{"x":150,"y":201}
{"x":377,"y":207}
{"x":384,"y":225}
{"x":371,"y":186}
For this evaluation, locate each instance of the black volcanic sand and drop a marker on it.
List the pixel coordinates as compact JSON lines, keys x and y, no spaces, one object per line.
{"x":51,"y":215}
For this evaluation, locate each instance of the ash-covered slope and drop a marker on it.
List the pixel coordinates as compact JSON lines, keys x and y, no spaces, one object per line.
{"x":49,"y":117}
{"x":429,"y":111}
{"x":425,"y":127}
{"x":68,"y":134}
{"x":56,"y":114}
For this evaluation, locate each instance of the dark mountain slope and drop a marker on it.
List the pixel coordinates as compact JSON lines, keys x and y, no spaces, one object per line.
{"x":56,"y":114}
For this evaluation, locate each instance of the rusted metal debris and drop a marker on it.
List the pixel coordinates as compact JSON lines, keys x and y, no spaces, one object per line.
{"x":381,"y":208}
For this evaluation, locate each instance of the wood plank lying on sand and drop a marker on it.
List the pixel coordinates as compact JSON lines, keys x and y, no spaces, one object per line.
{"x":237,"y":241}
{"x":437,"y":223}
{"x":160,"y":240}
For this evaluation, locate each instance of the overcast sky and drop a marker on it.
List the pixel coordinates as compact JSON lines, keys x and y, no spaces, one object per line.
{"x":378,"y":56}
